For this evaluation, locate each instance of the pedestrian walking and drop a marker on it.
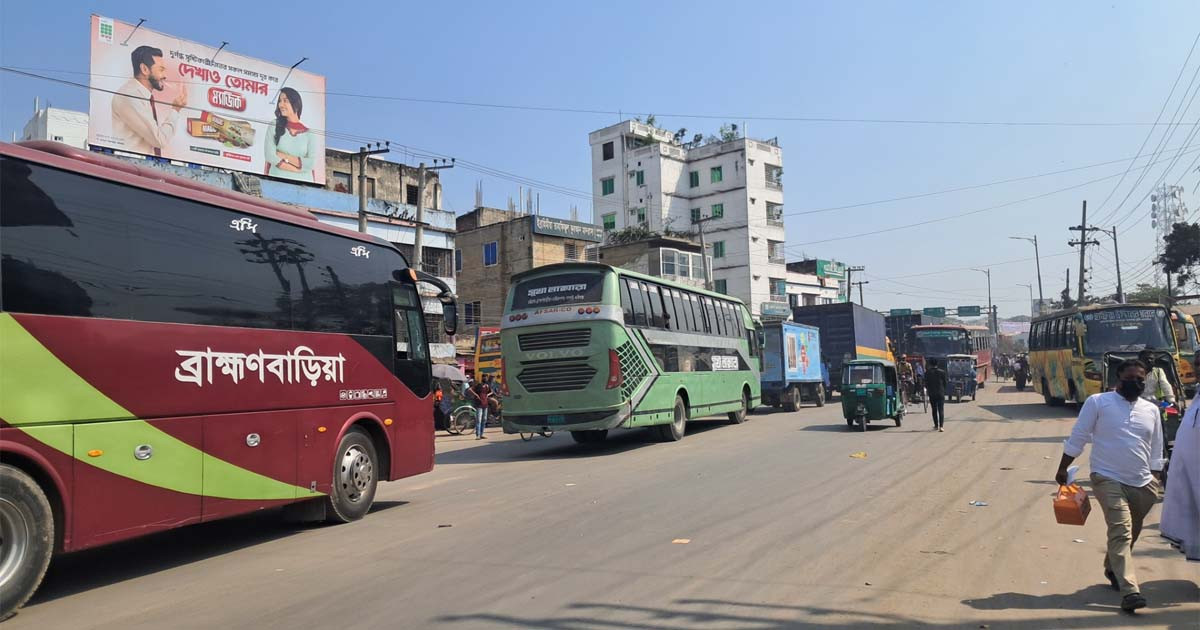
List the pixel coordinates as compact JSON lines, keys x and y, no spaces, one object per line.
{"x":1126,"y":461}
{"x":935,"y":388}
{"x":1181,"y":505}
{"x":479,"y":394}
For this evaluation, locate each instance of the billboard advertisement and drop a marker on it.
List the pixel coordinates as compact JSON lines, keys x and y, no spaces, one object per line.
{"x":155,"y":94}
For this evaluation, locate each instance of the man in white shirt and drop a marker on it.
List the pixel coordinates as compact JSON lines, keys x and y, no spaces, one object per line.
{"x":1127,"y":462}
{"x":145,"y":124}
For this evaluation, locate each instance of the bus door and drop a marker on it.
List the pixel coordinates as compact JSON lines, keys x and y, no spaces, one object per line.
{"x":412,"y":352}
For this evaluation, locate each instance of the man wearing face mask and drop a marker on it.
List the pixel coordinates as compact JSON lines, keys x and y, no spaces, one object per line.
{"x":1126,"y":462}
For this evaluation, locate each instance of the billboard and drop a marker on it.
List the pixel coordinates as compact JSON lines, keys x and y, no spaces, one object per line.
{"x":567,"y":229}
{"x":159,"y":95}
{"x":831,"y":269}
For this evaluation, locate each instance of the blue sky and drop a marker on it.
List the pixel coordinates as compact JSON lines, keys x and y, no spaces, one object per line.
{"x":967,"y":61}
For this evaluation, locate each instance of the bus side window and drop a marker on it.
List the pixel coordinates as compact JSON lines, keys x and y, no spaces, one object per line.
{"x":711,"y":313}
{"x":674,"y":321}
{"x":626,"y":302}
{"x":682,"y":323}
{"x":655,"y":305}
{"x":637,"y":303}
{"x":1033,"y":336}
{"x":698,"y":314}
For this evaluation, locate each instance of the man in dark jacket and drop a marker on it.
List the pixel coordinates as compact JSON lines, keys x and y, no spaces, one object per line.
{"x":935,"y":387}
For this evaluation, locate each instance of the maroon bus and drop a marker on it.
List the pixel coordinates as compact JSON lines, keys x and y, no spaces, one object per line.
{"x":174,"y":353}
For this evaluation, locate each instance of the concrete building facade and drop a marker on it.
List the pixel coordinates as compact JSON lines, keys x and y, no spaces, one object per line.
{"x":644,"y":176}
{"x":670,"y":257}
{"x":492,"y":245}
{"x":59,"y":125}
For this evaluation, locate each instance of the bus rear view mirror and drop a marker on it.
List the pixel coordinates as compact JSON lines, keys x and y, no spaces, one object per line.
{"x":450,"y":317}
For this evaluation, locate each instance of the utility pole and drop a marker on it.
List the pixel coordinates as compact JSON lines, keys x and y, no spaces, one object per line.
{"x":418,"y":261}
{"x":1169,"y":300}
{"x":362,"y":154}
{"x":704,"y":252}
{"x":850,"y":284}
{"x":1030,"y":287}
{"x":1117,"y":258}
{"x":1038,"y":261}
{"x":1083,"y":242}
{"x":991,"y":313}
{"x":1068,"y":289}
{"x":860,"y":284}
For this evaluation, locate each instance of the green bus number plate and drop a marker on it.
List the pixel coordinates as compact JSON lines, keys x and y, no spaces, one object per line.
{"x":556,"y":419}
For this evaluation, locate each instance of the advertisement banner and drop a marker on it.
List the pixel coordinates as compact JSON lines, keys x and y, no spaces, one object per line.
{"x":159,"y":95}
{"x":567,"y":229}
{"x":831,"y":269}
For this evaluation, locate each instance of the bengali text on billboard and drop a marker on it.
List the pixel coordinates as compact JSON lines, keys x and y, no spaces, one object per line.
{"x":159,"y":95}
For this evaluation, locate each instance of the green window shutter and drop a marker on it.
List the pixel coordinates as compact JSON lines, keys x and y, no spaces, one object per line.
{"x":695,"y":214}
{"x":641,"y":178}
{"x":718,"y":210}
{"x":720,"y":286}
{"x":607,"y":186}
{"x":641,"y":215}
{"x":694,"y":179}
{"x":610,"y":221}
{"x":715,"y":174}
{"x":719,"y":249}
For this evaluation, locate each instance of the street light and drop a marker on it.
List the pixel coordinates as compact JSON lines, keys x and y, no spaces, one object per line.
{"x":1030,"y":287}
{"x":991,"y":313}
{"x":1038,"y":259}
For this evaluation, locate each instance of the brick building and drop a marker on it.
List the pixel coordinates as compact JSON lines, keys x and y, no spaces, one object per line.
{"x":492,"y":245}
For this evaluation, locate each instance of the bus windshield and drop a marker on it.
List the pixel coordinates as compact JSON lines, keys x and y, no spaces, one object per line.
{"x":940,"y":342}
{"x":562,"y":289}
{"x":1126,"y":330}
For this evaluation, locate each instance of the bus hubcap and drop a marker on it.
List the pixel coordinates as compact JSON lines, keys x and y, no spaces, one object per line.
{"x":14,"y":540}
{"x":356,"y":473}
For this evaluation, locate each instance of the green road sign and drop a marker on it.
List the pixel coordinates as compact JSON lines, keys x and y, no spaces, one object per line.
{"x":968,"y":311}
{"x":936,"y":311}
{"x":900,"y":312}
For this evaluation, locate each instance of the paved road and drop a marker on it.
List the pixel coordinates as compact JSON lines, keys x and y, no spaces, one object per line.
{"x":784,"y":530}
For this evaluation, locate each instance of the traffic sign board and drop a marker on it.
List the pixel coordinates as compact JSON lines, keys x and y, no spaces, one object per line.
{"x":900,"y":312}
{"x":936,"y":311}
{"x":968,"y":311}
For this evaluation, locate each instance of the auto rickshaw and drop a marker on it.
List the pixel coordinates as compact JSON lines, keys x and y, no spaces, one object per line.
{"x":960,"y":377}
{"x":871,"y":391}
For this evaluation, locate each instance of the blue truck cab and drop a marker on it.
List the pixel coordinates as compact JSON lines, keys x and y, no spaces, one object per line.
{"x":792,"y":370}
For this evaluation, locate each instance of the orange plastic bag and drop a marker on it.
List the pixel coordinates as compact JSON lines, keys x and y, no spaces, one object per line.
{"x":1071,"y":505}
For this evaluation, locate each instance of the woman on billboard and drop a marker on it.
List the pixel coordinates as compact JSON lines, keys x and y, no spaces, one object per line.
{"x":290,"y":145}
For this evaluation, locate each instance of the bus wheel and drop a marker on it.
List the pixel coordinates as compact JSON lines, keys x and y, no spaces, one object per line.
{"x":1046,"y":397}
{"x":354,"y":478}
{"x":26,"y":538}
{"x":674,"y":432}
{"x":739,"y":416}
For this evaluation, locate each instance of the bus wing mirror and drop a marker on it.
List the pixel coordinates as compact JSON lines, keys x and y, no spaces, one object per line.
{"x":450,"y":316}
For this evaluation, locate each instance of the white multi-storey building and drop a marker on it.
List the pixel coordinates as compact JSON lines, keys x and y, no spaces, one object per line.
{"x":642,"y":175}
{"x":59,"y":125}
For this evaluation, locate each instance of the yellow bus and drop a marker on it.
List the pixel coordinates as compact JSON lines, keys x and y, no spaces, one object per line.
{"x":1066,"y":349}
{"x":1185,"y":334}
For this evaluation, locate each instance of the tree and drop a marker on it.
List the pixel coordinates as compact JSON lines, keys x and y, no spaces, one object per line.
{"x":1146,"y":294}
{"x":1181,"y":252}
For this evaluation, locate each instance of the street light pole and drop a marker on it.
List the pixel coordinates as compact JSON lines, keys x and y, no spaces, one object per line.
{"x":1030,"y":287}
{"x":1038,"y":260}
{"x":991,"y":312}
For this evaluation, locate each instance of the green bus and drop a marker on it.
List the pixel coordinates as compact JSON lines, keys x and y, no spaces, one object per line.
{"x":587,"y":348}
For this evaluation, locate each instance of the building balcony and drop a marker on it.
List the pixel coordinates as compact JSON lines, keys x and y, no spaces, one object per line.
{"x":777,"y":297}
{"x":779,"y":259}
{"x":775,"y":221}
{"x":774,"y":185}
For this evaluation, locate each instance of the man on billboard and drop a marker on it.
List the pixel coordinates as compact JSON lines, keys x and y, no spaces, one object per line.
{"x":145,"y":125}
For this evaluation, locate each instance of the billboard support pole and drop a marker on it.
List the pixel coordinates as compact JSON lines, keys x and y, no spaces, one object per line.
{"x":141,"y":21}
{"x":286,"y":77}
{"x":362,"y":178}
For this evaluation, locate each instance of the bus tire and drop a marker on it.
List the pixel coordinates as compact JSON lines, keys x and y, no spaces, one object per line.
{"x":820,"y":397}
{"x":1047,"y":398}
{"x":354,"y":478}
{"x":27,"y":527}
{"x":674,"y":431}
{"x":739,"y":416}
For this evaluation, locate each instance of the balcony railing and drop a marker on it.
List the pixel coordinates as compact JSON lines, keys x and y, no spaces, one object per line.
{"x":777,"y":259}
{"x":777,"y":297}
{"x":775,"y":218}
